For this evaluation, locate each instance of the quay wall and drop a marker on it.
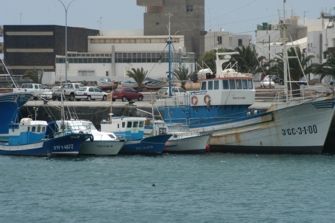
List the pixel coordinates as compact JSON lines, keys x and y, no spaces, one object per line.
{"x":95,"y":111}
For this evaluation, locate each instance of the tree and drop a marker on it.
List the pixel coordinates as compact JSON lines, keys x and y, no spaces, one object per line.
{"x":247,"y":59}
{"x":328,"y":67}
{"x":138,"y":75}
{"x":182,"y":75}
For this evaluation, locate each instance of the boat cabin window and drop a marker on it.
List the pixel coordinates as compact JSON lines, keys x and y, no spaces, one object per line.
{"x":244,"y":84}
{"x":210,"y":85}
{"x":28,"y":129}
{"x":250,"y":86}
{"x":238,"y":84}
{"x":33,"y":129}
{"x":216,"y":84}
{"x":141,"y":124}
{"x":123,"y":124}
{"x":38,"y":128}
{"x":129,"y":124}
{"x":203,"y":85}
{"x":135,"y":124}
{"x":232,"y":84}
{"x":225,"y":84}
{"x":43,"y":129}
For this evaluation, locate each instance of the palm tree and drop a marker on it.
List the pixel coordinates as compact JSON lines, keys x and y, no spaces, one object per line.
{"x":182,"y":75}
{"x":138,"y":75}
{"x":328,"y":67}
{"x":247,"y":59}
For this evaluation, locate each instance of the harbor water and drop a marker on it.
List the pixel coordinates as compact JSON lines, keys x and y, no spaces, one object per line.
{"x":169,"y":188}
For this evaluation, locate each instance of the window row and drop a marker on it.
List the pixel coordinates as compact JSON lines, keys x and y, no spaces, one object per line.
{"x":227,"y":84}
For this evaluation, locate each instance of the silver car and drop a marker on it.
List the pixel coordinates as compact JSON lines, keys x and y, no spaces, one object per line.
{"x":90,"y":93}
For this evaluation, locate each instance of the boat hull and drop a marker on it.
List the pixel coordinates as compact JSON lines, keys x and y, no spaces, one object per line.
{"x":67,"y":145}
{"x":190,"y":144}
{"x":300,"y":128}
{"x":34,"y":149}
{"x":101,"y":148}
{"x":153,"y":145}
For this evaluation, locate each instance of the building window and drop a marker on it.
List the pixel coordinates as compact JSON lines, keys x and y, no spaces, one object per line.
{"x":219,"y":40}
{"x":86,"y":73}
{"x":189,"y":8}
{"x":240,"y":42}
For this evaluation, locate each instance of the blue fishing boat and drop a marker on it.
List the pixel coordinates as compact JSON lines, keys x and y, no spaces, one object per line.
{"x":131,"y":129}
{"x":29,"y":138}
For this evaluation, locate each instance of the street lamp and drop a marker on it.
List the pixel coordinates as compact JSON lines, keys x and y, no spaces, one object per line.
{"x":66,"y":9}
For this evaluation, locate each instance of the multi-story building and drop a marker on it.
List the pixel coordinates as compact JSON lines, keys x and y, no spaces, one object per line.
{"x":186,"y":17}
{"x":225,"y":40}
{"x":112,"y":56}
{"x":34,"y":47}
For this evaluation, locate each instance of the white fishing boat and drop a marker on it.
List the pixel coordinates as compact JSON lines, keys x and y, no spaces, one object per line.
{"x":100,"y":143}
{"x":225,"y":106}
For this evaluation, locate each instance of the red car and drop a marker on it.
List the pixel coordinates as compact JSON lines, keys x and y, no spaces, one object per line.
{"x":126,"y":94}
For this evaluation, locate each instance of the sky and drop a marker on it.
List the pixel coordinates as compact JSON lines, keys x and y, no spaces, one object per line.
{"x":237,"y":16}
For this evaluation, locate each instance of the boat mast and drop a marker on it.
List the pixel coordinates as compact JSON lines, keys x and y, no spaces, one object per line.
{"x":169,"y":42}
{"x":285,"y":56}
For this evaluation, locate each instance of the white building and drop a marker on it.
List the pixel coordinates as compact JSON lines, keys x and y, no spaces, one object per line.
{"x":225,"y":40}
{"x":319,"y":37}
{"x":113,"y":56}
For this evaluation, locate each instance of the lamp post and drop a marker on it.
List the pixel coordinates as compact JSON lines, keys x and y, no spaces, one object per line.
{"x":66,"y":9}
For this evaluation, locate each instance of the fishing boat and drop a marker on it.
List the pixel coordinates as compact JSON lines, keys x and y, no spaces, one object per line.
{"x":182,"y":139}
{"x":225,"y":107}
{"x":131,"y":129}
{"x":29,"y":138}
{"x":99,"y":143}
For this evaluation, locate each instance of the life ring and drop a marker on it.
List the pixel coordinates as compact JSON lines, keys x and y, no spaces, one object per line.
{"x":194,"y":100}
{"x":207,"y":100}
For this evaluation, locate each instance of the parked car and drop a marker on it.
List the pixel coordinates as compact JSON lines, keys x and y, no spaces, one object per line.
{"x":106,"y":84}
{"x":38,"y":91}
{"x":267,"y":82}
{"x":90,"y":93}
{"x":164,"y":91}
{"x":126,"y":94}
{"x":69,"y":89}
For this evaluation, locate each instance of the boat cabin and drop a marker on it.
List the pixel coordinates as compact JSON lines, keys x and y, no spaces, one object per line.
{"x":127,"y":128}
{"x":27,"y":131}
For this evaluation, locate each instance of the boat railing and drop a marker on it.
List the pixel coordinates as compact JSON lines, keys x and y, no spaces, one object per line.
{"x":304,"y":93}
